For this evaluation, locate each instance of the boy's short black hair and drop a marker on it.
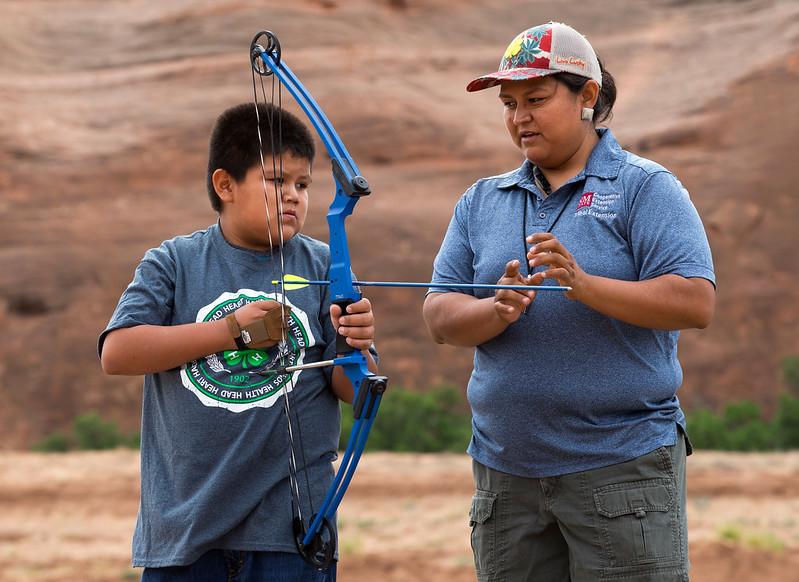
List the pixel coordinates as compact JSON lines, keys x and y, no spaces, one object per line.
{"x":234,"y":141}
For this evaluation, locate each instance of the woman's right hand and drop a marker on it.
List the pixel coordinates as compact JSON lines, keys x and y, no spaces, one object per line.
{"x":509,"y":304}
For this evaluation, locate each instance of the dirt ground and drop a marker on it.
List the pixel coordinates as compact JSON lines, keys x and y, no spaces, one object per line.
{"x":67,"y":518}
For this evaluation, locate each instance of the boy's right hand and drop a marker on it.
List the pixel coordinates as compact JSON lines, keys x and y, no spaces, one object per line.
{"x":251,"y":313}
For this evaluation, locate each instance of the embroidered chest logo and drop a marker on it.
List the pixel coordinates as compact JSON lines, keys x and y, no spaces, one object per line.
{"x":599,"y":205}
{"x":231,"y":379}
{"x":585,"y":200}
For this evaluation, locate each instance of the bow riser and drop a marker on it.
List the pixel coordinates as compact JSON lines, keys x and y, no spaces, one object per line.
{"x":342,"y":291}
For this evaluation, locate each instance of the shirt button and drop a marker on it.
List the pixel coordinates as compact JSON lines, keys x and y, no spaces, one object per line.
{"x":542,"y":215}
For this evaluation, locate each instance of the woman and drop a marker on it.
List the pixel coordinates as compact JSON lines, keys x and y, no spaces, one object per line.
{"x":578,"y":438}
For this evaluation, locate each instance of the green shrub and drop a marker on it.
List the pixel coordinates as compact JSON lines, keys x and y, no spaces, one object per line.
{"x":741,"y":414}
{"x":94,"y":433}
{"x":89,"y":432}
{"x":790,"y":373}
{"x":745,"y":428}
{"x":763,"y":541}
{"x":706,"y":430}
{"x":133,"y":441}
{"x":730,"y":533}
{"x":787,"y":422}
{"x":741,"y":427}
{"x":432,"y":421}
{"x":755,"y":436}
{"x":53,"y":443}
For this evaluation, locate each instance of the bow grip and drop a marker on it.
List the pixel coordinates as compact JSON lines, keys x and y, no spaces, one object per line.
{"x":342,"y":347}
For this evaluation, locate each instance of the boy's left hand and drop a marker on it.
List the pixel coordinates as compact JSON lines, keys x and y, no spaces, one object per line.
{"x":357,"y":324}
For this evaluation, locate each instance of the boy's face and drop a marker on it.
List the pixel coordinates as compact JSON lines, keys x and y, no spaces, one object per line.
{"x":244,"y":212}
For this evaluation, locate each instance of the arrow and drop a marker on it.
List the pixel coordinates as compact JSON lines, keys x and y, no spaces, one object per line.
{"x":294,"y":282}
{"x":289,"y":369}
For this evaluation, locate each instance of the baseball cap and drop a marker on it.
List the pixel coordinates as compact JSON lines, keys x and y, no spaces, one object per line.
{"x":543,"y":50}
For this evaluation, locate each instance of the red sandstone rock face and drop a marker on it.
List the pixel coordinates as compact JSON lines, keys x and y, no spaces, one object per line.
{"x":104,"y":119}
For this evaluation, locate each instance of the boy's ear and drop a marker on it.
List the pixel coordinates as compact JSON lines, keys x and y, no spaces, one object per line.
{"x":223,"y":185}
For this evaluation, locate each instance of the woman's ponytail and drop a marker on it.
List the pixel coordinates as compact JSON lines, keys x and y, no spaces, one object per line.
{"x":607,"y":96}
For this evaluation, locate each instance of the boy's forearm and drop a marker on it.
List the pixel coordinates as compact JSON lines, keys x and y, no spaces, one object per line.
{"x":147,"y":349}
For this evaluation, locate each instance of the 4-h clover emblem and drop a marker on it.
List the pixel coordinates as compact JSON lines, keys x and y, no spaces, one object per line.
{"x":246,"y":358}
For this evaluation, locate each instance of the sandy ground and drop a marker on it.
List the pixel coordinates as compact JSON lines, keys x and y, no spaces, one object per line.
{"x":70,"y":517}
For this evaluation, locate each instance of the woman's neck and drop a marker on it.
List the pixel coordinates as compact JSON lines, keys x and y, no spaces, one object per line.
{"x":561,"y":174}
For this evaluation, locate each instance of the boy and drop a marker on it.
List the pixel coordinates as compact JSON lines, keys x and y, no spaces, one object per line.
{"x":215,"y":497}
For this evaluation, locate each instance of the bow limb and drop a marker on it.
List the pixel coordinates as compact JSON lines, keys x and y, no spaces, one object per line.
{"x":317,"y":543}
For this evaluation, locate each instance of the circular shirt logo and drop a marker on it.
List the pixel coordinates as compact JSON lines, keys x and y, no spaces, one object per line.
{"x":241,"y":379}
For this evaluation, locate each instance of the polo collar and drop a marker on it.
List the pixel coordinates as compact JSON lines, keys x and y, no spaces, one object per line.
{"x":607,"y":157}
{"x":522,"y":175}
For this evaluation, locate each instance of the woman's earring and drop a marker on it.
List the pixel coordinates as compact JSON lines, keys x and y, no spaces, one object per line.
{"x":587,"y":114}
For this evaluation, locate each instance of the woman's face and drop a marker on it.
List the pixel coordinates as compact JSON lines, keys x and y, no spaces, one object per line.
{"x":543,"y":118}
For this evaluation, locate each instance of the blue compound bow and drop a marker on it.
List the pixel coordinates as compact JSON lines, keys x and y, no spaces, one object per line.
{"x":316,"y":539}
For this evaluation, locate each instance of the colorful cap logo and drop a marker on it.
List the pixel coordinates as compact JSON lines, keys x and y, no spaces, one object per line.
{"x":543,"y":50}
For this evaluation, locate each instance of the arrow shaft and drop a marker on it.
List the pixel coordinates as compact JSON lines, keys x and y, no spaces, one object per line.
{"x":445,"y":285}
{"x":289,"y":369}
{"x":462,"y":286}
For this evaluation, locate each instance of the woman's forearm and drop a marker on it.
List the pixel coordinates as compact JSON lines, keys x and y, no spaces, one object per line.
{"x":667,"y":302}
{"x":462,"y":320}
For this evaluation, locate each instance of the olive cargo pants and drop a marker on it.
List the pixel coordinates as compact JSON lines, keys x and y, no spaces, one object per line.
{"x":624,"y":522}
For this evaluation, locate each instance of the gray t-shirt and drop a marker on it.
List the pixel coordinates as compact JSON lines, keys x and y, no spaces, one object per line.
{"x":565,"y":388}
{"x":214,"y":448}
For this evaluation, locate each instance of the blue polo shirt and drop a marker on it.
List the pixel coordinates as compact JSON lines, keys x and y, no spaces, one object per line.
{"x":565,"y":388}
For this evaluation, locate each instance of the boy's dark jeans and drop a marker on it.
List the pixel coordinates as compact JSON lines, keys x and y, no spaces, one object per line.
{"x":236,"y":566}
{"x":625,"y":522}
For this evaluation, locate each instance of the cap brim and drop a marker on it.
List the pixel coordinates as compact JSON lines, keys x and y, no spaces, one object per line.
{"x":521,"y":74}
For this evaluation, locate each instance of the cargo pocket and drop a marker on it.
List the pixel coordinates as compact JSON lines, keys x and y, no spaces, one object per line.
{"x":639,"y":521}
{"x":483,"y":527}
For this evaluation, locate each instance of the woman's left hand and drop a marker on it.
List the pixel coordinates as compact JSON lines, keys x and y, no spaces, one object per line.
{"x":357,"y":324}
{"x":548,"y":251}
